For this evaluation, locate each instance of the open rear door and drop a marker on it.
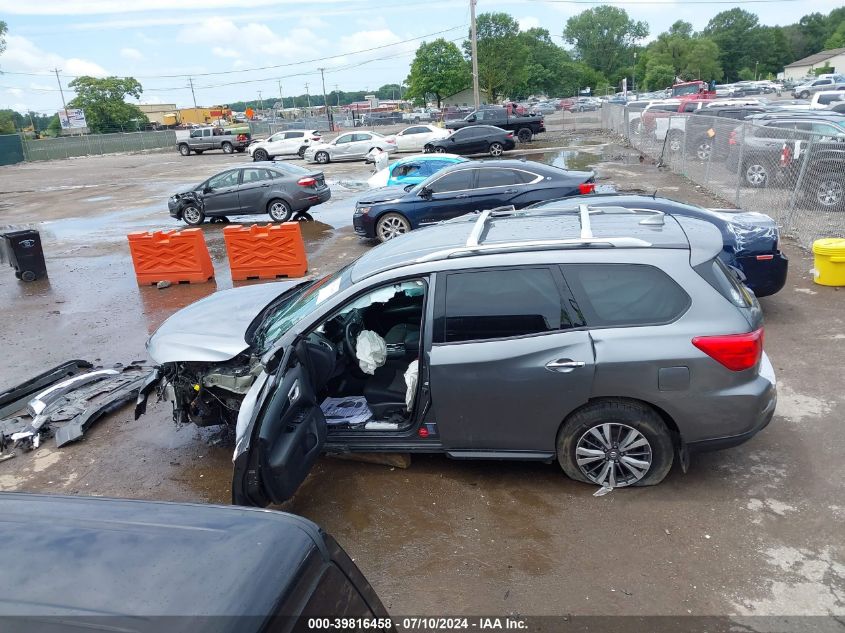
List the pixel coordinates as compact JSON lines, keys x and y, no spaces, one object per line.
{"x":285,"y":440}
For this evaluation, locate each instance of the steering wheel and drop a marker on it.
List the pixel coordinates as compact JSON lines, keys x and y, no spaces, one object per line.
{"x":351,"y":329}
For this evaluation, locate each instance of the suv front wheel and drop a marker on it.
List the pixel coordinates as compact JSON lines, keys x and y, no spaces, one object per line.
{"x":615,"y":443}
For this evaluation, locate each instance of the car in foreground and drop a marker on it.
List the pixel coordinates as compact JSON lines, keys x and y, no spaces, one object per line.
{"x":824,"y":99}
{"x":750,"y":240}
{"x":386,"y":213}
{"x":348,"y":146}
{"x":281,"y":190}
{"x":414,"y":138}
{"x":412,"y":170}
{"x":285,"y":143}
{"x":475,"y":139}
{"x":128,"y":565}
{"x":602,"y":338}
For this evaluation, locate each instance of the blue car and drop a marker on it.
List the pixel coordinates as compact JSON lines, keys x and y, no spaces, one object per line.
{"x":751,"y":240}
{"x":412,"y":170}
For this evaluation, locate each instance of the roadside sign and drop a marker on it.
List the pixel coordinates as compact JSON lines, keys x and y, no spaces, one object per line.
{"x":72,"y":119}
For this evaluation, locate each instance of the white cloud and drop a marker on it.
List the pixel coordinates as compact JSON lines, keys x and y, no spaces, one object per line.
{"x":23,"y":55}
{"x":131,"y":53}
{"x":528,"y":22}
{"x":219,"y":51}
{"x":370,"y":39}
{"x":93,"y":7}
{"x":15,"y":92}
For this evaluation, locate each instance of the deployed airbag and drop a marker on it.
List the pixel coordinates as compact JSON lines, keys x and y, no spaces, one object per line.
{"x":371,"y":351}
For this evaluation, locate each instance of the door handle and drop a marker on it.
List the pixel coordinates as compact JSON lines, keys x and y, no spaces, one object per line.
{"x":462,"y":195}
{"x":511,"y":190}
{"x":564,"y":365}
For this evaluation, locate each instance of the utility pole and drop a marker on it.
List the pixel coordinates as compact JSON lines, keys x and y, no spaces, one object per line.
{"x":281,"y":97}
{"x":62,"y":92}
{"x":191,"y":81}
{"x":307,"y":95}
{"x":260,"y":101}
{"x":337,"y":92}
{"x":326,"y":101}
{"x":474,"y":40}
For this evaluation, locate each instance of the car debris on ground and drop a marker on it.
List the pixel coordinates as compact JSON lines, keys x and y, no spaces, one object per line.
{"x":63,"y":402}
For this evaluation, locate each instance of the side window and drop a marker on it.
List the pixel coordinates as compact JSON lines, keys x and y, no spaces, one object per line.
{"x":335,"y":596}
{"x":346,"y":138}
{"x":294,"y":134}
{"x":408,"y":169}
{"x":361,"y":137}
{"x":454,"y":181}
{"x":827,"y":131}
{"x":526,"y":177}
{"x":621,"y":294}
{"x":206,"y":132}
{"x":690,"y":107}
{"x":253,"y":174}
{"x":226,"y":179}
{"x":493,"y":304}
{"x":416,"y":130}
{"x":196,"y":133}
{"x":497,"y":178}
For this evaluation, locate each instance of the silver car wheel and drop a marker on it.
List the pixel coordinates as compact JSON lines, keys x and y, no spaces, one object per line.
{"x":322,"y":157}
{"x":756,"y":175}
{"x":279,"y":211}
{"x":192,"y":215}
{"x":496,"y":149}
{"x":703,"y":151}
{"x":830,"y":193}
{"x":392,"y":226}
{"x":613,"y":455}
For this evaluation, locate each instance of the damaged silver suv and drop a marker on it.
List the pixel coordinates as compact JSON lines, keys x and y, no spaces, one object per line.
{"x":615,"y":342}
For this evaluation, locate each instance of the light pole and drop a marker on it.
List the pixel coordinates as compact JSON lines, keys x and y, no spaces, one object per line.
{"x":756,"y":76}
{"x":634,"y":75}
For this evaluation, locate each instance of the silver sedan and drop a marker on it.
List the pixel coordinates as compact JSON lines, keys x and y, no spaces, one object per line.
{"x":348,"y":146}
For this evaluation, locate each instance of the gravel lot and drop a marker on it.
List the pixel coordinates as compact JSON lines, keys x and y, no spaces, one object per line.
{"x":755,"y":530}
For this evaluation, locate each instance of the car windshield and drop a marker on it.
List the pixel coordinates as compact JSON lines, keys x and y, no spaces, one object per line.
{"x":294,"y":306}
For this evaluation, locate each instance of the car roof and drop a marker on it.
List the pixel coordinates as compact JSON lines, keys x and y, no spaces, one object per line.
{"x":425,"y":157}
{"x":511,"y":231}
{"x":512,"y":163}
{"x":95,"y":556}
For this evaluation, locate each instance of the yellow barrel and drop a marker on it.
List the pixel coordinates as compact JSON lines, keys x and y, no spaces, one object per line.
{"x":829,"y":261}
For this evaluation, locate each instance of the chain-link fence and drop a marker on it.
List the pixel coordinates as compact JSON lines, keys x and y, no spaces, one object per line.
{"x":795,"y":175}
{"x":96,"y":144}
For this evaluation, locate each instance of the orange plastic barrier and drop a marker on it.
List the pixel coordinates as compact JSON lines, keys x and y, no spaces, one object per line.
{"x":175,"y":256}
{"x":265,"y":252}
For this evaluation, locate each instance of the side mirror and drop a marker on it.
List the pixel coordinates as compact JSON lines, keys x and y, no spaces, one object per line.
{"x":207,"y":189}
{"x":409,"y":187}
{"x":425,"y":193}
{"x":272,"y":359}
{"x":471,"y":118}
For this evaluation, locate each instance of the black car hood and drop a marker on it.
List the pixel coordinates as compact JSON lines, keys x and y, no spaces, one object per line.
{"x":383,"y":194}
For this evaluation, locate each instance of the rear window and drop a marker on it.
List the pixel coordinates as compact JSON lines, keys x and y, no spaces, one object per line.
{"x":494,"y":304}
{"x":612,"y":295}
{"x":288,"y":169}
{"x":725,"y":281}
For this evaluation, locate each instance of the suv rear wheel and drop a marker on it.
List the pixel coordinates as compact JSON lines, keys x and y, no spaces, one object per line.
{"x":830,"y":191}
{"x":756,"y":174}
{"x":615,"y":443}
{"x":260,"y":155}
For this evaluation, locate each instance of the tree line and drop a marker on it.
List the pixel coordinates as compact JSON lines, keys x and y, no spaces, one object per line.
{"x":604,"y":47}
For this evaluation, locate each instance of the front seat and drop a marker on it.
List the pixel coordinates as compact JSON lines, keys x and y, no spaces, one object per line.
{"x":387,"y":388}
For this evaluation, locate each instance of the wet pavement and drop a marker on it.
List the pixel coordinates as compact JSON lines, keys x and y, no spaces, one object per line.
{"x":753,"y":530}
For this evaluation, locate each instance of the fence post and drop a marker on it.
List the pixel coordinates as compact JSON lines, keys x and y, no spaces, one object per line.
{"x":794,"y":198}
{"x":712,"y":150}
{"x":739,"y":166}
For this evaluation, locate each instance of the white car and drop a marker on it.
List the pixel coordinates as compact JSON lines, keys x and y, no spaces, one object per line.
{"x":348,"y":146}
{"x":414,"y":138}
{"x":825,"y":99}
{"x":286,"y":143}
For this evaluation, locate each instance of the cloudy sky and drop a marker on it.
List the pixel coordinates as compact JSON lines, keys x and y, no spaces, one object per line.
{"x":235,"y":48}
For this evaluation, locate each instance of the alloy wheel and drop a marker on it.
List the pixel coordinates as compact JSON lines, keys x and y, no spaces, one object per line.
{"x":830,"y":192}
{"x":279,"y":211}
{"x":390,"y":227}
{"x":613,"y":455}
{"x":756,"y":175}
{"x":703,"y":151}
{"x":192,"y":215}
{"x":496,"y":149}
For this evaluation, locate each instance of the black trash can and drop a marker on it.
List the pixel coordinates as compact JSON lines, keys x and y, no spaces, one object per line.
{"x":23,"y":248}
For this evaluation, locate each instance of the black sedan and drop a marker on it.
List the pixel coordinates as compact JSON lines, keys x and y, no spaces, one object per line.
{"x":474,"y":139}
{"x":751,"y":240}
{"x":462,"y":188}
{"x":278,"y":189}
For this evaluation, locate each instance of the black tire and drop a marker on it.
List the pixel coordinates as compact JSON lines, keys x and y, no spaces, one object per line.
{"x":322,"y":158}
{"x":301,"y":152}
{"x":496,"y":149}
{"x":192,"y":215}
{"x":804,"y":95}
{"x":828,"y":191}
{"x":260,"y":155}
{"x":622,"y":415}
{"x":28,"y":276}
{"x":240,"y":150}
{"x":524,"y":135}
{"x":756,"y":174}
{"x":184,"y":149}
{"x":428,"y":149}
{"x":227,"y":148}
{"x":439,"y":150}
{"x":198,"y":152}
{"x":279,"y":210}
{"x":391,"y":225}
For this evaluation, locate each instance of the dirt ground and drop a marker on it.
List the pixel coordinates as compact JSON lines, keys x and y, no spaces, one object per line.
{"x":754,"y":530}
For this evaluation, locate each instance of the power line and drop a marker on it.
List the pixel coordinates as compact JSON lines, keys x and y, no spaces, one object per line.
{"x":673,"y":5}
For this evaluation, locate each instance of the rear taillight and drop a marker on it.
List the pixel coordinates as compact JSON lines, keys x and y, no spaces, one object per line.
{"x":732,"y":138}
{"x":737,"y":352}
{"x":308,"y":181}
{"x":785,"y":155}
{"x":390,"y":140}
{"x":316,"y":138}
{"x":587,"y":187}
{"x":510,"y":134}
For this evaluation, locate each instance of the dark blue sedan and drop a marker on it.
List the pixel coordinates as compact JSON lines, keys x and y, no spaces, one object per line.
{"x":472,"y":186}
{"x":751,"y":240}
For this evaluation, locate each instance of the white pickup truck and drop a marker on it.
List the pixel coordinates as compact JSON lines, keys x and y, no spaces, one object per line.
{"x":416,"y":116}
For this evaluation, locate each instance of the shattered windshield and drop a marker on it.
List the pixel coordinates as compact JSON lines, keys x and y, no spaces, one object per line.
{"x":296,"y":306}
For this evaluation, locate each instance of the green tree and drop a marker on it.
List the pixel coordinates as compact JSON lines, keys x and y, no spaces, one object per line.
{"x":3,"y":30}
{"x":387,"y":91}
{"x":104,"y":105}
{"x":7,"y":122}
{"x":502,"y":55}
{"x":438,"y":69}
{"x":604,"y":38}
{"x":548,"y":65}
{"x":837,"y":38}
{"x":736,"y":33}
{"x":55,"y":127}
{"x":690,"y":55}
{"x":658,"y":76}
